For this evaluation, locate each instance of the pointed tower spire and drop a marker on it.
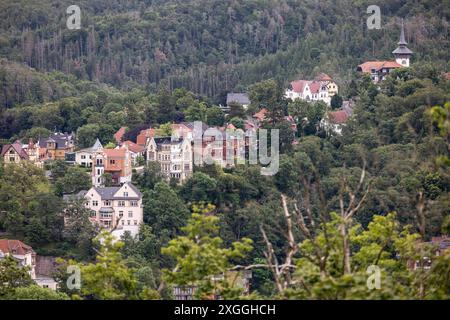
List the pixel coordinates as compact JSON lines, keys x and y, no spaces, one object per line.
{"x":402,"y":53}
{"x":402,"y":40}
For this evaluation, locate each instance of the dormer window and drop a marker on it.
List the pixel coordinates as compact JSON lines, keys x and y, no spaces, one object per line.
{"x":125,"y":194}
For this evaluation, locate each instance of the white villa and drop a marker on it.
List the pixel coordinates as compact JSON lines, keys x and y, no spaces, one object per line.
{"x":83,"y":157}
{"x":322,"y":88}
{"x":117,"y":209}
{"x":174,"y":154}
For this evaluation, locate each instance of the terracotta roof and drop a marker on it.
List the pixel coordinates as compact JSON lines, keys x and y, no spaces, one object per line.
{"x":14,"y":247}
{"x":118,"y":153}
{"x":133,"y":147}
{"x":377,"y":65}
{"x":17,"y":147}
{"x":119,"y":134}
{"x":143,"y":135}
{"x":299,"y":85}
{"x":338,"y":117}
{"x":314,"y":86}
{"x":261,"y":114}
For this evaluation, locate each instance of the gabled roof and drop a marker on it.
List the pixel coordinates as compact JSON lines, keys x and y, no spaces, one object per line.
{"x":17,"y":147}
{"x":241,"y":98}
{"x":141,"y":139}
{"x":133,"y":147}
{"x":314,"y":86}
{"x":109,"y":193}
{"x":338,"y":117}
{"x":119,"y":134}
{"x":299,"y":85}
{"x":367,"y":66}
{"x":62,"y":140}
{"x":115,"y":153}
{"x":96,"y":146}
{"x":14,"y":247}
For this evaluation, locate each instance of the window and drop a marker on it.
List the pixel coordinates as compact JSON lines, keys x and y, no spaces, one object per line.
{"x":121,"y":203}
{"x":12,"y":159}
{"x":135,"y":222}
{"x":120,"y":214}
{"x":83,"y":157}
{"x":134,"y":203}
{"x":123,"y":222}
{"x":107,"y":203}
{"x":129,"y":223}
{"x":125,"y":194}
{"x":112,"y":161}
{"x":94,"y":203}
{"x":130,"y":214}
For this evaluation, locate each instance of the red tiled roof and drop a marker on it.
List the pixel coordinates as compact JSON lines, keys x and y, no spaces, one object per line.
{"x":133,"y":147}
{"x":119,"y":134}
{"x":14,"y":247}
{"x":261,"y":114}
{"x":116,"y":153}
{"x":314,"y":86}
{"x":299,"y":85}
{"x":338,"y":117}
{"x":367,"y":66}
{"x":17,"y":147}
{"x":143,"y":135}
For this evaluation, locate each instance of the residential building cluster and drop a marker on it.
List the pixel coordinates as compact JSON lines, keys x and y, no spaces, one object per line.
{"x":321,"y":88}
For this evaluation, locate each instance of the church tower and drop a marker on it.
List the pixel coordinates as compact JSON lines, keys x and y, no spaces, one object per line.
{"x":402,"y":53}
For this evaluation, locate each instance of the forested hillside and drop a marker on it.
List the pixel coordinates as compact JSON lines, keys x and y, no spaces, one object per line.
{"x":376,"y":193}
{"x":211,"y":47}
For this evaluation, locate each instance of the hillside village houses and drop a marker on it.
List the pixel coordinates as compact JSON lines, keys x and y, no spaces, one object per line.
{"x":378,"y":70}
{"x":322,"y":88}
{"x":56,"y":146}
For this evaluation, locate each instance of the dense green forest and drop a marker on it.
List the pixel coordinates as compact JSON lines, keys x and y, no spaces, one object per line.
{"x":211,"y":47}
{"x":375,"y":195}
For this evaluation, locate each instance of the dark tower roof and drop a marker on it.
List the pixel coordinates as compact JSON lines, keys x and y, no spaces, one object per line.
{"x":402,"y":48}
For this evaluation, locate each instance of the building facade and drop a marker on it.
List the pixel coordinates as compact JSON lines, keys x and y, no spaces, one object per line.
{"x":116,"y":162}
{"x":84,"y":157}
{"x":56,"y":146}
{"x":174,"y":154}
{"x":322,"y":88}
{"x":116,"y":209}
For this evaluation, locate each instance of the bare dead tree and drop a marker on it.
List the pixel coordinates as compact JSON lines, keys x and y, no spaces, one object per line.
{"x":347,"y":212}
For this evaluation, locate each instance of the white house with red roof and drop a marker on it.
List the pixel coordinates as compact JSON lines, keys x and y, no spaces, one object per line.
{"x":322,"y":88}
{"x":378,"y":70}
{"x":24,"y":254}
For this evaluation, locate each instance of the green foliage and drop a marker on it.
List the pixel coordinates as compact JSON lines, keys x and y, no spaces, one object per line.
{"x":108,"y":278}
{"x":12,"y":276}
{"x":35,"y":292}
{"x":200,"y":255}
